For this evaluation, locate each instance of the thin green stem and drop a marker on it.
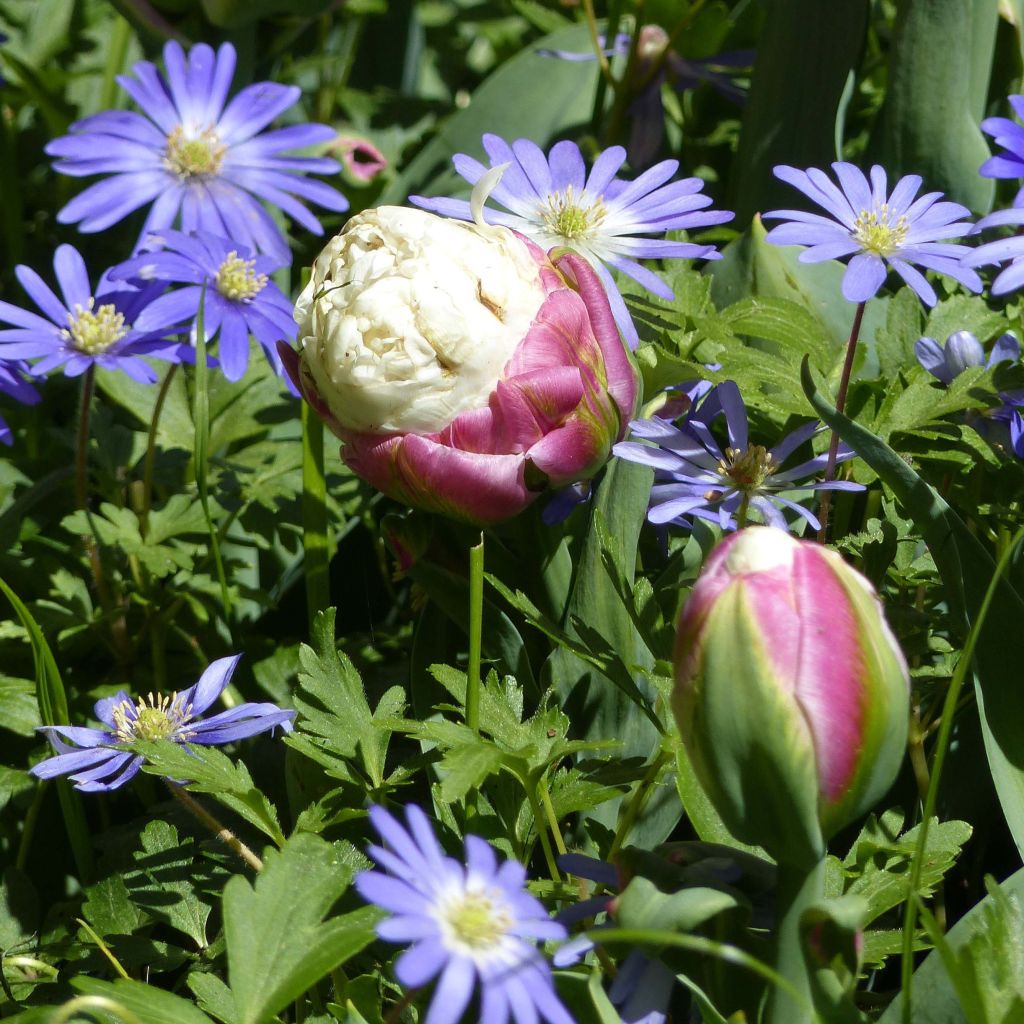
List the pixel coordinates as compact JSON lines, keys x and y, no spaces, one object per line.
{"x":637,"y":802}
{"x":476,"y":620}
{"x":315,"y":527}
{"x":118,"y":627}
{"x":542,"y":834}
{"x":149,"y":463}
{"x":833,"y":444}
{"x":595,"y":41}
{"x":120,"y":35}
{"x":549,"y":810}
{"x":741,"y":512}
{"x":29,"y":826}
{"x":798,"y":888}
{"x":94,"y":1006}
{"x":938,"y":761}
{"x":221,"y":831}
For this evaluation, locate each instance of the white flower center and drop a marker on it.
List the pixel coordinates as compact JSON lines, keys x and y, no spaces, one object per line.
{"x":151,"y":719}
{"x":475,"y":922}
{"x":94,"y":332}
{"x":879,"y":232}
{"x":194,"y":156}
{"x":237,"y":278}
{"x":564,"y":215}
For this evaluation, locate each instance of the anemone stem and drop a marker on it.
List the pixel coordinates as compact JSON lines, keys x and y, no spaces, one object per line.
{"x":222,"y":832}
{"x":833,"y":444}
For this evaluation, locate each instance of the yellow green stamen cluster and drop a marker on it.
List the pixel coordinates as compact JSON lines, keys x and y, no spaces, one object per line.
{"x":197,"y":156}
{"x":564,"y":215}
{"x":879,"y":232}
{"x":154,"y":718}
{"x":93,"y":332}
{"x":237,"y":278}
{"x":476,"y":922}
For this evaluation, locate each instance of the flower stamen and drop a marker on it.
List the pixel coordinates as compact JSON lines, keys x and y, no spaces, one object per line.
{"x":196,"y":156}
{"x":154,"y":718}
{"x":747,"y":468}
{"x":879,"y":232}
{"x":95,"y":332}
{"x":237,"y":278}
{"x":476,"y":922}
{"x":565,"y":215}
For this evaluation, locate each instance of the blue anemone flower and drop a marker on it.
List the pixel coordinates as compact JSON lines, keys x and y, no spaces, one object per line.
{"x":199,"y":159}
{"x":961,"y":351}
{"x":693,"y":476}
{"x":1009,"y":135}
{"x":95,"y":764}
{"x":88,"y":328}
{"x":467,"y":923}
{"x":553,"y":200}
{"x":878,"y":228}
{"x":239,"y":298}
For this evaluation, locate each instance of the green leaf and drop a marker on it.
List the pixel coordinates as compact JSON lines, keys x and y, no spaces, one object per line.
{"x":929,"y":123}
{"x":150,"y":1004}
{"x":551,"y":96}
{"x":207,"y":770}
{"x":966,"y":569}
{"x":805,"y":53}
{"x":935,"y":998}
{"x":643,"y":905}
{"x":278,"y":943}
{"x":213,"y":996}
{"x":165,"y":881}
{"x":335,"y":721}
{"x":19,"y":709}
{"x":108,"y":907}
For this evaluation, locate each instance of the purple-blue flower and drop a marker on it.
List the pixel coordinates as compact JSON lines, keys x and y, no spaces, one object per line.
{"x":962,"y":351}
{"x":1009,"y":135}
{"x":13,"y":383}
{"x":87,"y":328}
{"x":467,"y":924}
{"x":877,"y":228}
{"x":199,"y":159}
{"x":695,"y":477}
{"x":553,"y":200}
{"x":1011,"y":277}
{"x":239,"y":297}
{"x":91,"y":759}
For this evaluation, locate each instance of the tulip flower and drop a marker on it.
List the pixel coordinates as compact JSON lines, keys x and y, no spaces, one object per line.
{"x":791,"y":692}
{"x":464,"y":370}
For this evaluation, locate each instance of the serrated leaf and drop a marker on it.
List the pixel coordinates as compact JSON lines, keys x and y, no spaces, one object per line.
{"x":278,"y":943}
{"x":108,"y":907}
{"x":164,"y":883}
{"x":207,"y":770}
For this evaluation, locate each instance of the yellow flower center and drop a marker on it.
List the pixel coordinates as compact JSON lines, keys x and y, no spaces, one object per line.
{"x":564,"y":215}
{"x":94,"y":332}
{"x":748,"y":468}
{"x":198,"y":156}
{"x":151,"y":719}
{"x":879,"y":232}
{"x":476,"y":922}
{"x":237,"y":278}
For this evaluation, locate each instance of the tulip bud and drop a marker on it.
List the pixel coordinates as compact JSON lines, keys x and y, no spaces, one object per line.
{"x":463,"y":370}
{"x":792,"y":695}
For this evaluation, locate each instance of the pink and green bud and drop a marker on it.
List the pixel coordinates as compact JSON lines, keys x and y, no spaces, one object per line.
{"x":464,"y":370}
{"x":792,"y":695}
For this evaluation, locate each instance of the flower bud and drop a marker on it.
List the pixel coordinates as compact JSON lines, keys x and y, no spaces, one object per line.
{"x":463,"y":370}
{"x":792,"y":695}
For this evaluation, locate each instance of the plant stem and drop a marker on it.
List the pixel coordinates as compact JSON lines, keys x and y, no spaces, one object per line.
{"x":938,"y":761}
{"x":637,"y":802}
{"x":315,"y":543}
{"x":549,"y":810}
{"x":542,"y":834}
{"x":833,"y":444}
{"x":222,"y":832}
{"x":476,"y":615}
{"x":118,"y":628}
{"x":798,"y":888}
{"x":148,"y":464}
